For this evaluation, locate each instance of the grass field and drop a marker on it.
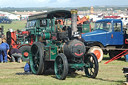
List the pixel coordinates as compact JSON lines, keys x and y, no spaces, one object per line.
{"x":110,"y":74}
{"x":13,"y":73}
{"x":14,"y":25}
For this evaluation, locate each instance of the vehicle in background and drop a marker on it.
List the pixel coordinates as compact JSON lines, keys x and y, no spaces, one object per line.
{"x":5,"y":20}
{"x":108,"y":36}
{"x":111,"y":17}
{"x":20,"y":40}
{"x":124,"y":20}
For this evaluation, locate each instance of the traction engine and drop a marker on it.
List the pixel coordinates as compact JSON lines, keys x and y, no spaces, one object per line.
{"x":60,"y":47}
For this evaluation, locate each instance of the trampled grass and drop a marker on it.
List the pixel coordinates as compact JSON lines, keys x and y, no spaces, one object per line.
{"x":13,"y":73}
{"x":109,"y":74}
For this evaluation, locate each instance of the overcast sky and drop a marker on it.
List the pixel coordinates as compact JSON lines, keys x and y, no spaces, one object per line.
{"x":61,"y":3}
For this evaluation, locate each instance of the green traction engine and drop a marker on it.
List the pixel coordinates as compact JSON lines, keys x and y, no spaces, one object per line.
{"x":58,"y":45}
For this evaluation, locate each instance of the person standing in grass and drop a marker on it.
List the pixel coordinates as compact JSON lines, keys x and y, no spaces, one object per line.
{"x":5,"y":50}
{"x":1,"y":56}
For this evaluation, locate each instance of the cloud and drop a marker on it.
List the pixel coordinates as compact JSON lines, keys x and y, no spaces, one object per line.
{"x":62,"y":1}
{"x":59,"y":3}
{"x":44,"y":1}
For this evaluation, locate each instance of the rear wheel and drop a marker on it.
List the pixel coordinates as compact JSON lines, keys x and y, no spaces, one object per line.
{"x":91,"y":65}
{"x":97,"y":51}
{"x":37,"y":58}
{"x":25,"y":50}
{"x":61,"y":66}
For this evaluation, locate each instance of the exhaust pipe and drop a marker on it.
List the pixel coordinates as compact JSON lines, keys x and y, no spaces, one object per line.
{"x":74,"y":22}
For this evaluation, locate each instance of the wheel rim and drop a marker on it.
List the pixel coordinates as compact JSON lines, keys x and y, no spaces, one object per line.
{"x":59,"y":67}
{"x":35,"y":59}
{"x":91,"y":68}
{"x":25,"y":54}
{"x":25,"y":50}
{"x":97,"y":53}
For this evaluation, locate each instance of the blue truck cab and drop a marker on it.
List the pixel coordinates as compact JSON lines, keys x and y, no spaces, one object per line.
{"x":107,"y":32}
{"x":107,"y":35}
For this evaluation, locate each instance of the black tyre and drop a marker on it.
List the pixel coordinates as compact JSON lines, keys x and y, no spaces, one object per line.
{"x":91,"y":65}
{"x":25,"y":50}
{"x":61,"y":66}
{"x":37,"y":58}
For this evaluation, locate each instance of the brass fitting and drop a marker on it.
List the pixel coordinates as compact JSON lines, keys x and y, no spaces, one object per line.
{"x":74,"y":11}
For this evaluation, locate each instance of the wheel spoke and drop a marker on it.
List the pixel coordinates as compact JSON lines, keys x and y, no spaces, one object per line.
{"x":91,"y":70}
{"x":35,"y":60}
{"x":91,"y":65}
{"x":36,"y":67}
{"x":90,"y":73}
{"x":60,"y":66}
{"x":58,"y":72}
{"x":61,"y":71}
{"x":60,"y":61}
{"x":90,"y":59}
{"x":37,"y":53}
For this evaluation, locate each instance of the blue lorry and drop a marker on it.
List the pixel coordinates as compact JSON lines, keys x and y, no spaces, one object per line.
{"x":108,"y":36}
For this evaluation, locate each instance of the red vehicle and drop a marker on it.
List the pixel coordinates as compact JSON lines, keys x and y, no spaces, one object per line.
{"x":112,"y":17}
{"x":21,"y":40}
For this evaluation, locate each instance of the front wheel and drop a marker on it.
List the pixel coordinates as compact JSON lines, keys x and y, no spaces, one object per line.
{"x":25,"y":50}
{"x":91,"y":65}
{"x":61,"y":66}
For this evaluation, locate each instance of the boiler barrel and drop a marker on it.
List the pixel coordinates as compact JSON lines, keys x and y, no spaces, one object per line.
{"x":74,"y":48}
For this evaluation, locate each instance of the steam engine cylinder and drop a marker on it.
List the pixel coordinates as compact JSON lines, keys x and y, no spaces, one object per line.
{"x":74,"y":48}
{"x":46,"y":36}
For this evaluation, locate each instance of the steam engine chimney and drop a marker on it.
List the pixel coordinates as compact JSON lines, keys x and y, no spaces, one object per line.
{"x":74,"y":21}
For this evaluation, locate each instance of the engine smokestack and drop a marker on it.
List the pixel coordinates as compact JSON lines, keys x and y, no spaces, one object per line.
{"x":74,"y":21}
